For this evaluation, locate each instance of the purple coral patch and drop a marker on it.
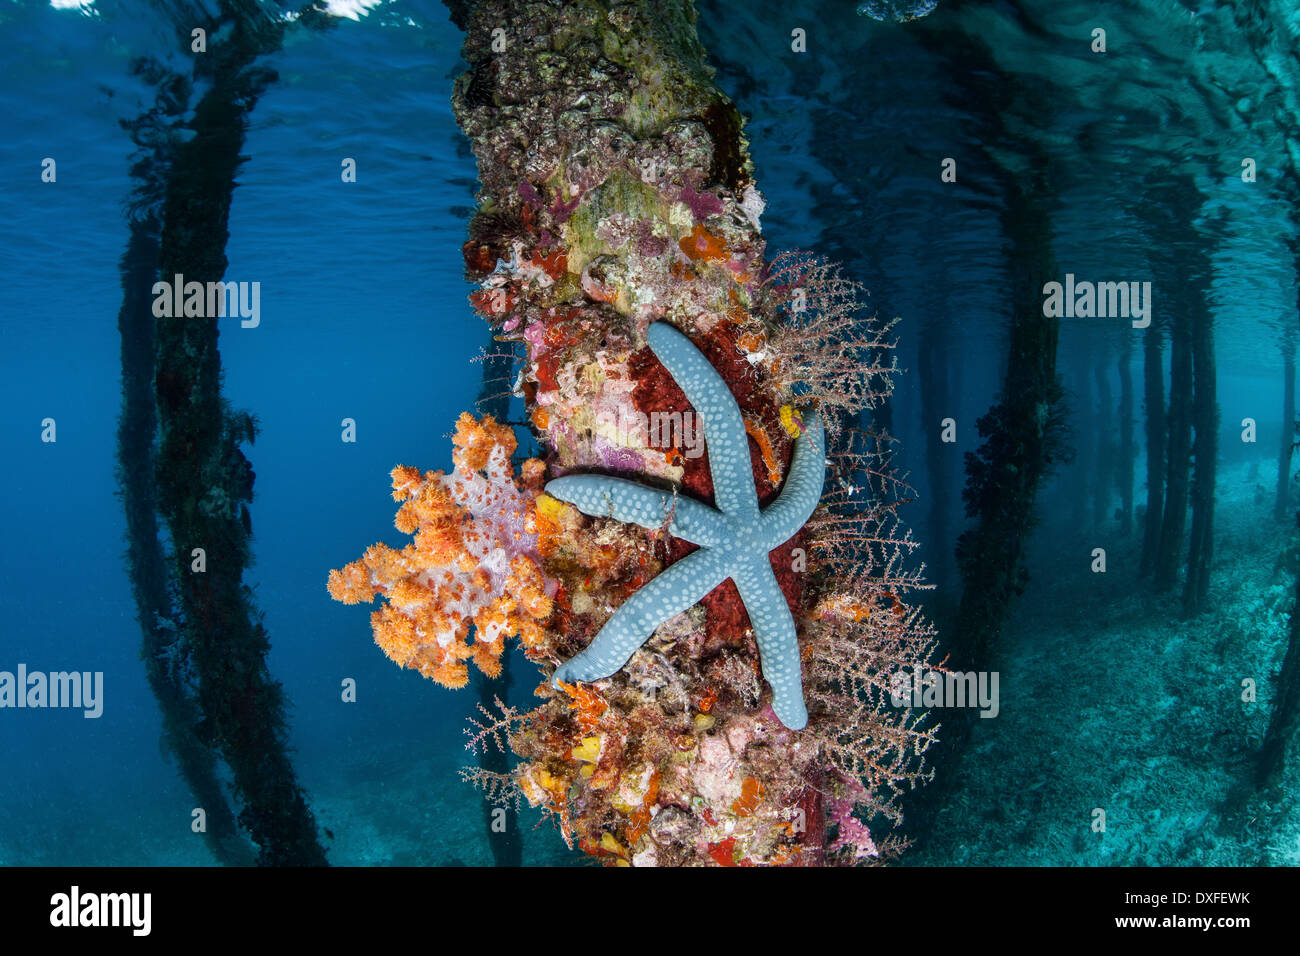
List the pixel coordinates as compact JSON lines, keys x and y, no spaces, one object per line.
{"x":561,"y":210}
{"x":701,"y":204}
{"x":618,"y":459}
{"x":529,"y":194}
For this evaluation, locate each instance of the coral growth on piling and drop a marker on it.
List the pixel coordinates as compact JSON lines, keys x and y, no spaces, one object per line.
{"x":618,"y":193}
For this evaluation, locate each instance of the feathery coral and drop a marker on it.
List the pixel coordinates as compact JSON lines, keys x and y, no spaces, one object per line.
{"x":821,"y":349}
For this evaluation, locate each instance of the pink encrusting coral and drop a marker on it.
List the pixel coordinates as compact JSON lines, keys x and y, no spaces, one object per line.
{"x":851,"y":835}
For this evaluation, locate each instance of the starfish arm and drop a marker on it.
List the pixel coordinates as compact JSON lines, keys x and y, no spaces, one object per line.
{"x":803,"y":485}
{"x":603,"y":497}
{"x":778,"y":645}
{"x":674,"y":590}
{"x":724,"y":429}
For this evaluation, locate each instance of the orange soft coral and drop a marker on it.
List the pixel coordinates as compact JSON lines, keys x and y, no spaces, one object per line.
{"x":473,"y":560}
{"x":703,"y":245}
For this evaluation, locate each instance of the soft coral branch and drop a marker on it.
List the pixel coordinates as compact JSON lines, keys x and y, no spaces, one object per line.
{"x":473,"y":561}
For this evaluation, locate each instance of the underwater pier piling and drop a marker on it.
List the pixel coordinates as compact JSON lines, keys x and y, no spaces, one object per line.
{"x":501,"y":824}
{"x":617,"y":245}
{"x":1022,"y":435}
{"x":603,"y":146}
{"x":205,"y":650}
{"x":146,"y":559}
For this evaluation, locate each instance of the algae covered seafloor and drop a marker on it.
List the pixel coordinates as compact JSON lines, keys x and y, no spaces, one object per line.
{"x":1110,"y":701}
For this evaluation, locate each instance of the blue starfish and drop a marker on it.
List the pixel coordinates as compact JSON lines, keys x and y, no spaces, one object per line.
{"x":734,"y":538}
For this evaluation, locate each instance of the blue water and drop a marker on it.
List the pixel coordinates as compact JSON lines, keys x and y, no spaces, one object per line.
{"x":369,"y":320}
{"x":364,"y":316}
